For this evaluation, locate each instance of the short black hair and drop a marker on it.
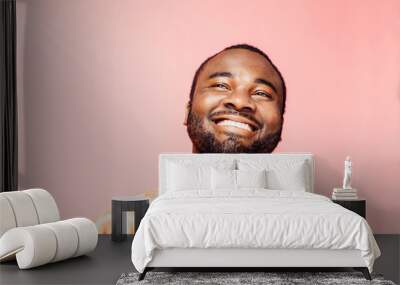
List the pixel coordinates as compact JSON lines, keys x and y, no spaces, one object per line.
{"x":246,"y":47}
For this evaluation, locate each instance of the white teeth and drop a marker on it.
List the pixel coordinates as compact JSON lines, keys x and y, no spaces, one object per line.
{"x":234,"y":124}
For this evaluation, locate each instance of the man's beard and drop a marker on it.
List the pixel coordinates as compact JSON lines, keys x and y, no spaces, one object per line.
{"x":205,"y":141}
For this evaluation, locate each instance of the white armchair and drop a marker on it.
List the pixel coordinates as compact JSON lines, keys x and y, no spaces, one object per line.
{"x":31,"y":230}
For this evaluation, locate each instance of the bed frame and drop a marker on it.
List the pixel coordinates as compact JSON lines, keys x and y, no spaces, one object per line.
{"x":248,"y":258}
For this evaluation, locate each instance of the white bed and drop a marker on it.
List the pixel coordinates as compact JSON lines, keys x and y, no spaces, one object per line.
{"x":249,"y":227}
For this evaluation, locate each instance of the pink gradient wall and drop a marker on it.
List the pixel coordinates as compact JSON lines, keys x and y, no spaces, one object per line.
{"x":103,"y":84}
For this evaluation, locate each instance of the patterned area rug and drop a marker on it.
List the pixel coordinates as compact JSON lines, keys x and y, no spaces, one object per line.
{"x":269,"y":278}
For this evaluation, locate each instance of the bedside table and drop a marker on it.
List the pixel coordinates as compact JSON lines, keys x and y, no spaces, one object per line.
{"x":122,"y":204}
{"x":357,"y":206}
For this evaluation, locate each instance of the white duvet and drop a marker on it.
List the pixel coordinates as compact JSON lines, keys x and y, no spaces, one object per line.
{"x":251,"y":218}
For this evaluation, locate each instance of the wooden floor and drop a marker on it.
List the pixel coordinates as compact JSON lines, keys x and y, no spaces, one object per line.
{"x":111,"y":259}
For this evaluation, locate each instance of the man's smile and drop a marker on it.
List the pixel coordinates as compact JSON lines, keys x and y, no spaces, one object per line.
{"x":235,"y":122}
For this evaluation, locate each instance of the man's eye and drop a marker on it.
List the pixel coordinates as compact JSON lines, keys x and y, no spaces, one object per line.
{"x":263,"y":94}
{"x":220,"y":85}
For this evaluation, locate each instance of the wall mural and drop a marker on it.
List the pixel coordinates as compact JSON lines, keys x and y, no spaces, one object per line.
{"x":112,"y":95}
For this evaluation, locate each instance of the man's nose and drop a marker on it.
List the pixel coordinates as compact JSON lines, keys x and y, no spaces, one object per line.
{"x":241,"y":101}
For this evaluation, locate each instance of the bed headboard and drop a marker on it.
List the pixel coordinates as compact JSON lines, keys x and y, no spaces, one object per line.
{"x":213,"y":157}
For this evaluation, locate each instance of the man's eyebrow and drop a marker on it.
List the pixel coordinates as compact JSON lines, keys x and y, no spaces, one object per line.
{"x":220,"y":74}
{"x":266,"y":82}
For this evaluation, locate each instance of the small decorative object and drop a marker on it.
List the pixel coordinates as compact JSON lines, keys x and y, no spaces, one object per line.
{"x":347,"y":192}
{"x":344,"y":194}
{"x":347,"y":173}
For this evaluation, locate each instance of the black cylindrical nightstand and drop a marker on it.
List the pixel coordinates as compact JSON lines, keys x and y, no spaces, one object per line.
{"x":122,"y":204}
{"x":357,"y":206}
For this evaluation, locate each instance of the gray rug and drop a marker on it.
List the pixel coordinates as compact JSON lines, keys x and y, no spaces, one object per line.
{"x":269,"y":278}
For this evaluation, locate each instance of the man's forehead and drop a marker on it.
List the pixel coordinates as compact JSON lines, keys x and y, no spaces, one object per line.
{"x":239,"y":60}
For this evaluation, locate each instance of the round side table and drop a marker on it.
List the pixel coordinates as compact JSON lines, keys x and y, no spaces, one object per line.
{"x":122,"y":204}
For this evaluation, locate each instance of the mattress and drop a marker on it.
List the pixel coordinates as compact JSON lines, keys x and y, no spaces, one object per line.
{"x":250,"y":219}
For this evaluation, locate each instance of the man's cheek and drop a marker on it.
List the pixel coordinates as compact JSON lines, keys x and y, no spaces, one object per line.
{"x":205,"y":102}
{"x":275,"y":124}
{"x":272,"y":122}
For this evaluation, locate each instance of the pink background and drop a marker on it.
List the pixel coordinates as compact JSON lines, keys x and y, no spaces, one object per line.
{"x":102,"y":87}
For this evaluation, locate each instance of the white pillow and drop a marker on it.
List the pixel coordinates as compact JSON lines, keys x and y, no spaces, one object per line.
{"x":288,"y":178}
{"x":187,"y":177}
{"x":193,"y":174}
{"x":251,"y":178}
{"x":223,"y":179}
{"x":281,"y":175}
{"x":237,"y":179}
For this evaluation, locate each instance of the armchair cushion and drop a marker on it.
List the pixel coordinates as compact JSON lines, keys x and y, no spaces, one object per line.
{"x":40,"y":244}
{"x":27,"y":208}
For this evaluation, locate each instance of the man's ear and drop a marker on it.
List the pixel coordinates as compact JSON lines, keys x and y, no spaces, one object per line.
{"x":187,"y":109}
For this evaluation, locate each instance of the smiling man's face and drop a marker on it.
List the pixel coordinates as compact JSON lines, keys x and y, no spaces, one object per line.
{"x":236,"y":105}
